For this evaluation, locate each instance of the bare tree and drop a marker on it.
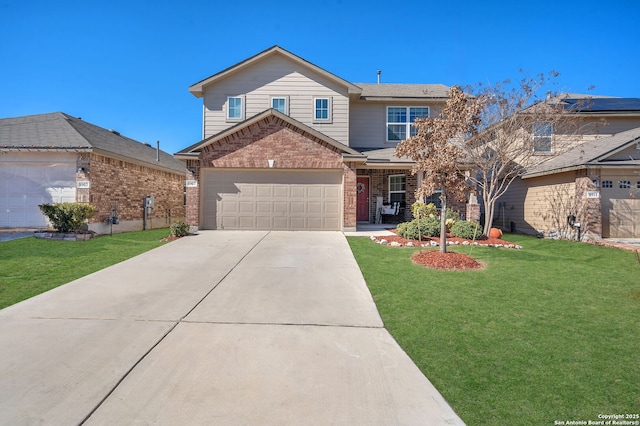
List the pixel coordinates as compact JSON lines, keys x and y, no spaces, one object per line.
{"x":437,"y":153}
{"x":517,"y":132}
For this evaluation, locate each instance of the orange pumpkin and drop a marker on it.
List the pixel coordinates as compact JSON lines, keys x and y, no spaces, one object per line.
{"x":495,"y":233}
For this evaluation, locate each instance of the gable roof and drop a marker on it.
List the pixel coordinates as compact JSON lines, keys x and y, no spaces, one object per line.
{"x":194,"y":150}
{"x":403,"y":91}
{"x":590,"y":153}
{"x":59,"y":131}
{"x":197,"y":89}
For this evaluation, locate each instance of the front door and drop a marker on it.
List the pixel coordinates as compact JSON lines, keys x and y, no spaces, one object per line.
{"x":362,"y":201}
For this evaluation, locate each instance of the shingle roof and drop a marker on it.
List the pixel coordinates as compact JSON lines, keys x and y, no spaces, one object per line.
{"x":383,"y":155}
{"x":588,"y":153}
{"x":59,"y":131}
{"x":194,"y":149}
{"x":427,"y":91}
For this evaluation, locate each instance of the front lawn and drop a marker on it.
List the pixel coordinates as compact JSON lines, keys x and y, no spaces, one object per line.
{"x":543,"y":334}
{"x":30,"y":266}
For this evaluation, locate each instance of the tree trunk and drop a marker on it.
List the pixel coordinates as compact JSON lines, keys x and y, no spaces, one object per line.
{"x":443,"y":221}
{"x":489,"y":208}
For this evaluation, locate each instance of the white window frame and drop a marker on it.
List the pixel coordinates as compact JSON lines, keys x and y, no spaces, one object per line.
{"x":403,"y":191}
{"x":286,"y":103}
{"x":408,"y":124}
{"x":329,"y":118}
{"x":542,"y":130}
{"x":242,"y":108}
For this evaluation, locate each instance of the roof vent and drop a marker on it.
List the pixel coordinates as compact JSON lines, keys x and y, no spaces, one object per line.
{"x":379,"y":74}
{"x":114,"y":132}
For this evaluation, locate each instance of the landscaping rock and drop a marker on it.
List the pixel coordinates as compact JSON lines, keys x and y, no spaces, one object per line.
{"x":395,"y":244}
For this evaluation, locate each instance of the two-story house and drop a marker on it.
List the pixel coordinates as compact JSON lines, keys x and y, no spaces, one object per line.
{"x":597,"y":181}
{"x":289,"y":145}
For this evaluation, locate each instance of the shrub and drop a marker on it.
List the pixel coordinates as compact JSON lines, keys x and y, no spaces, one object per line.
{"x":452,"y":215}
{"x":422,"y":210}
{"x":179,"y":229}
{"x":67,"y":217}
{"x":466,"y":229}
{"x":413,"y":230}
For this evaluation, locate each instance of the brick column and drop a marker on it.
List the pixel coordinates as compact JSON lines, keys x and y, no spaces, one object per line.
{"x":192,"y":208}
{"x":350,"y":194}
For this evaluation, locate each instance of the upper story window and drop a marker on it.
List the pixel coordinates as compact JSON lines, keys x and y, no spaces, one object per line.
{"x":397,"y":189}
{"x":235,"y":108}
{"x":280,"y":103}
{"x":542,"y":137}
{"x":400,"y":122}
{"x":321,"y":110}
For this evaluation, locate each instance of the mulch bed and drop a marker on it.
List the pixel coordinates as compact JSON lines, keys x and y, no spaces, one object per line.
{"x":494,"y":242}
{"x":446,"y":261}
{"x":450,"y":260}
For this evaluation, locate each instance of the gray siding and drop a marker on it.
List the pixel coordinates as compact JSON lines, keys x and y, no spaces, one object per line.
{"x":277,"y":76}
{"x":368,"y":122}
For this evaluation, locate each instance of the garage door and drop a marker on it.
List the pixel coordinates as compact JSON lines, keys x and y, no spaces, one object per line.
{"x":624,"y":218}
{"x":25,"y":185}
{"x":272,"y":199}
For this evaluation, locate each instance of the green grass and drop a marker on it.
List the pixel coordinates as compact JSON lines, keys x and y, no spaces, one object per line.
{"x":30,"y":266}
{"x":550,"y":332}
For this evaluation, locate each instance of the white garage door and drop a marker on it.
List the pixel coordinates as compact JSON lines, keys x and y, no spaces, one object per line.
{"x":272,"y":199}
{"x":27,"y":181}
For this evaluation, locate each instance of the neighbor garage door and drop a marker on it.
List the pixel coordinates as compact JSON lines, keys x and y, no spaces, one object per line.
{"x":624,"y":218}
{"x":272,"y":199}
{"x":30,"y":179}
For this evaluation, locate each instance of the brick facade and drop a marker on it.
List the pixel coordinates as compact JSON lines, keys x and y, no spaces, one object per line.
{"x":125,"y":184}
{"x":271,"y":139}
{"x":379,"y":181}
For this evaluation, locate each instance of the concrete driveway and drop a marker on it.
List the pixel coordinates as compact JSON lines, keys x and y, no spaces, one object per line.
{"x":223,"y":327}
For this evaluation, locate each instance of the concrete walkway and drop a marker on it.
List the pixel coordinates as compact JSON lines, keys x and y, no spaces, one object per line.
{"x":270,"y":328}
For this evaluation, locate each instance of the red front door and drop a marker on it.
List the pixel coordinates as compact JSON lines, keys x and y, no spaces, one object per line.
{"x":362,"y":200}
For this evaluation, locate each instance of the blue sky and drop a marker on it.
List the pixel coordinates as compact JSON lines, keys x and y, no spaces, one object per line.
{"x":127,"y":65}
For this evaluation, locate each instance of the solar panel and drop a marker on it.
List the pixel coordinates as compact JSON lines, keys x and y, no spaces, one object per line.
{"x":603,"y":104}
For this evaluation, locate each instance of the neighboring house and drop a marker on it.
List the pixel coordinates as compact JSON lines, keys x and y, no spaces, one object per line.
{"x":597,"y":181}
{"x":289,"y":145}
{"x":53,"y":158}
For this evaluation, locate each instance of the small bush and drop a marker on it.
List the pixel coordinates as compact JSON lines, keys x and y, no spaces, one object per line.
{"x":421,"y":210}
{"x":466,"y":229}
{"x":179,"y":229}
{"x":429,"y":227}
{"x":67,"y":217}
